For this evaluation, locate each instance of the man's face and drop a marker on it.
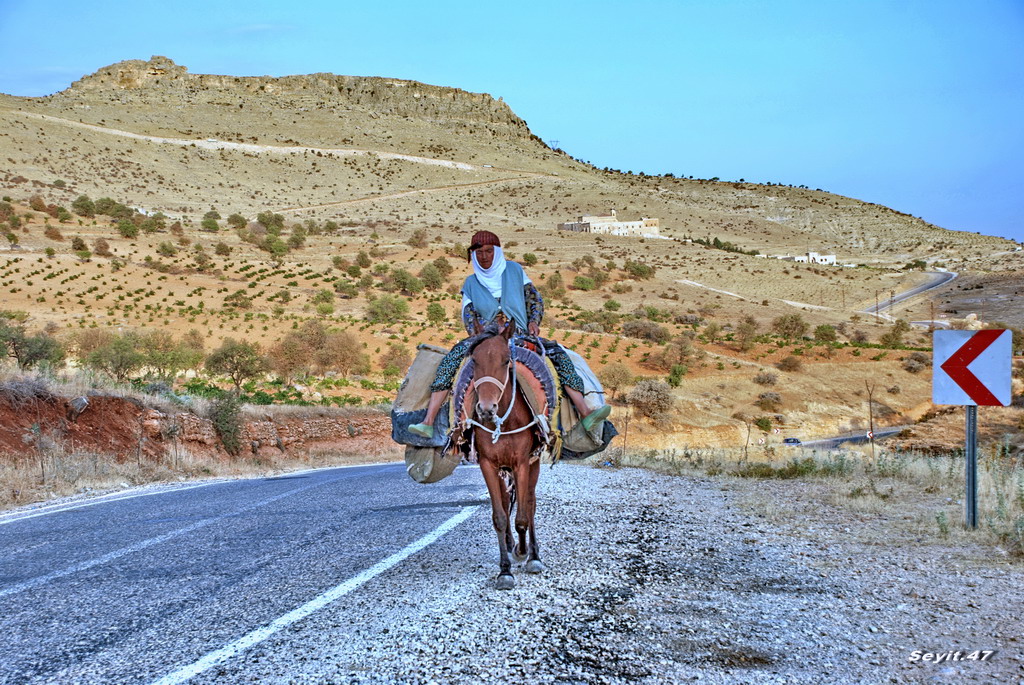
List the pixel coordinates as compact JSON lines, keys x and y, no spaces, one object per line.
{"x":485,"y":256}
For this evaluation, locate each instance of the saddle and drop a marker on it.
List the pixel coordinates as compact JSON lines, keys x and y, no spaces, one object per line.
{"x":535,"y":377}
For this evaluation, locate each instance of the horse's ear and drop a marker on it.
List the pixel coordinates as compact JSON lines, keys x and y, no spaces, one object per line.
{"x":477,"y":327}
{"x":507,"y":331}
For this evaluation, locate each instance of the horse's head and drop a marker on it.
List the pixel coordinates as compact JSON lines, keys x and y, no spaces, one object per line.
{"x":492,"y":369}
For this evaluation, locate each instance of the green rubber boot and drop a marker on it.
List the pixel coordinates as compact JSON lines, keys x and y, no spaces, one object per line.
{"x":424,"y":430}
{"x":595,"y":417}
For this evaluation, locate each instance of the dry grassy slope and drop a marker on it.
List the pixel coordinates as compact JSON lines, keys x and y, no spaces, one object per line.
{"x":159,"y":98}
{"x":481,"y":169}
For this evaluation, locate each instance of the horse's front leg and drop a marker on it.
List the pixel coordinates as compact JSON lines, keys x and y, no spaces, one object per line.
{"x":526,"y":526}
{"x":499,"y":516}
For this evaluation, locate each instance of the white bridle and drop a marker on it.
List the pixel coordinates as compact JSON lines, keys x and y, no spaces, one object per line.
{"x":496,"y":432}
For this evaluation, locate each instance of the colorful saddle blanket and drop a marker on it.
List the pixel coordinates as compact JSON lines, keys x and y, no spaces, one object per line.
{"x":535,"y":377}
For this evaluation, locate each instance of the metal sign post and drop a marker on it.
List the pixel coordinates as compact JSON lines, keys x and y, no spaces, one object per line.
{"x":971,"y":511}
{"x":972,"y":368}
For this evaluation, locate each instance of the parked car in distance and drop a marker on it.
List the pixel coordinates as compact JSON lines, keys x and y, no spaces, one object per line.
{"x":791,"y":441}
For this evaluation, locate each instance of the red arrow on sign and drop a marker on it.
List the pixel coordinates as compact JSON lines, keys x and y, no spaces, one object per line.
{"x":956,"y":366}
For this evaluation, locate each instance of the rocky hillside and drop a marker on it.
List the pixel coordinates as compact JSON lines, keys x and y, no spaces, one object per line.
{"x":328,"y":147}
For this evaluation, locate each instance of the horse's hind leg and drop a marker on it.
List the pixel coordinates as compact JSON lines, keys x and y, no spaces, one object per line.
{"x":499,"y":516}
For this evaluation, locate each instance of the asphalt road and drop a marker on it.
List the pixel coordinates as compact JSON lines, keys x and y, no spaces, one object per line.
{"x":850,"y":438}
{"x":134,"y":589}
{"x":937,"y":278}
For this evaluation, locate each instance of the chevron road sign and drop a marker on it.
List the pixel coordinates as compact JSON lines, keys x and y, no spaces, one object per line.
{"x":972,"y":367}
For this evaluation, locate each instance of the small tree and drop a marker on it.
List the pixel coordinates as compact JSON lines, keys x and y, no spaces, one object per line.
{"x":615,"y":376}
{"x":790,"y":326}
{"x":435,"y":313}
{"x":119,"y":358}
{"x":239,"y":361}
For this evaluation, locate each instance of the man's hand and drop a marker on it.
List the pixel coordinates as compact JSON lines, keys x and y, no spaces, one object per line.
{"x":534,"y":328}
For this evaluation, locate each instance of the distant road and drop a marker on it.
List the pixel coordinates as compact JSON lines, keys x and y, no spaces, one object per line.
{"x":937,"y":279}
{"x":852,"y":438}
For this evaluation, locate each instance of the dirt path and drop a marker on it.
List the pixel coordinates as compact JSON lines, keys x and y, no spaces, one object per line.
{"x":208,"y":144}
{"x":418,"y":191}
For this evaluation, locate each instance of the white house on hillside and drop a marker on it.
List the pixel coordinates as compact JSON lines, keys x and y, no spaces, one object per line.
{"x":609,"y":224}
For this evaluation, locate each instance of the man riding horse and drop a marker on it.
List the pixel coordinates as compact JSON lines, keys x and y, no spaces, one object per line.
{"x":500,"y":289}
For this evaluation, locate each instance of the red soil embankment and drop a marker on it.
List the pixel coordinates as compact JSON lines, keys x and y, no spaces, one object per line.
{"x":124,"y":429}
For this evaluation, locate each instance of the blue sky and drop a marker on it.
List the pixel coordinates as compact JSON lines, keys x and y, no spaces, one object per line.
{"x":915,"y":105}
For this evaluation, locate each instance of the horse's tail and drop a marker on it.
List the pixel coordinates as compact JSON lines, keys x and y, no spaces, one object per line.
{"x":510,"y":486}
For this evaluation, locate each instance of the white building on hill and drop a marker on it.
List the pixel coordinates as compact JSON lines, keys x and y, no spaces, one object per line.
{"x":609,"y":224}
{"x":808,"y":258}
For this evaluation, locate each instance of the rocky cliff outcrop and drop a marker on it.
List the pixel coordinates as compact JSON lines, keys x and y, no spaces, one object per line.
{"x":383,"y":96}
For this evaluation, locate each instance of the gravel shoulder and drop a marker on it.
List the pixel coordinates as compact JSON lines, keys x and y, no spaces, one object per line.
{"x":655,"y":578}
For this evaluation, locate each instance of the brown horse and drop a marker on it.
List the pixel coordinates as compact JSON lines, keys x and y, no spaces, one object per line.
{"x":505,"y":445}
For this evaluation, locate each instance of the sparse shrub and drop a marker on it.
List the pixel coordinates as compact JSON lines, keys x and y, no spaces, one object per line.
{"x":102,"y":248}
{"x":769,"y":401}
{"x":646,"y":330}
{"x":53,"y":233}
{"x":825,"y":333}
{"x":764,"y":423}
{"x":675,"y":376}
{"x":78,"y":244}
{"x":226,"y":416}
{"x":221,"y":249}
{"x":583,"y":283}
{"x":127,"y":229}
{"x":238,"y":300}
{"x":790,"y":363}
{"x":529,"y":259}
{"x":396,"y":361}
{"x":894,"y":336}
{"x":790,"y":326}
{"x":387,"y":309}
{"x":765,"y":377}
{"x":893,"y":390}
{"x":638,"y":270}
{"x":916,"y":362}
{"x":418,"y":238}
{"x":651,"y":397}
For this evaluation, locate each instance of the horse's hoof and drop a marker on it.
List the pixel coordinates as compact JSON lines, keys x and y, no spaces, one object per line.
{"x":517,"y":555}
{"x":505,"y":583}
{"x":534,"y":566}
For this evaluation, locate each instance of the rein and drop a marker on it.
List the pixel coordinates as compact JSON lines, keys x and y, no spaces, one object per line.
{"x":496,"y":432}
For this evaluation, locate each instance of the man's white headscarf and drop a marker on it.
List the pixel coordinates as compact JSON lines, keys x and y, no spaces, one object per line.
{"x":490,"y":278}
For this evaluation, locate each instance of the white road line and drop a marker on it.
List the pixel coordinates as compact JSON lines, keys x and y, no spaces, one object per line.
{"x":295,"y":615}
{"x":57,"y":508}
{"x":14,"y":517}
{"x":139,"y":546}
